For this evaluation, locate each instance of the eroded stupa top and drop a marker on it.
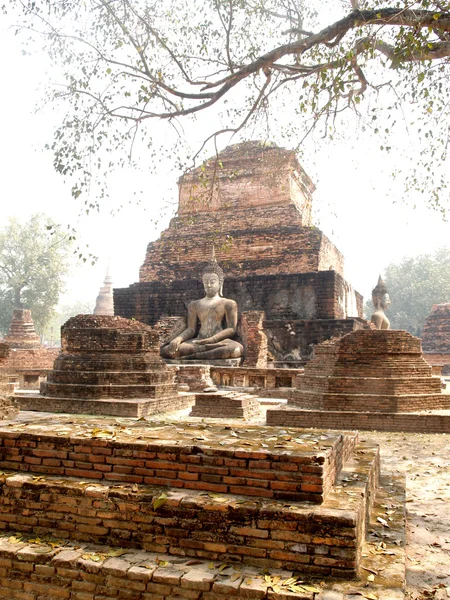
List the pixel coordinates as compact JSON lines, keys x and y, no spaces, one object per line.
{"x":247,"y":175}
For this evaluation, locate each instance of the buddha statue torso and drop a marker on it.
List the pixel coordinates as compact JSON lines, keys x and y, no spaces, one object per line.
{"x":381,"y":302}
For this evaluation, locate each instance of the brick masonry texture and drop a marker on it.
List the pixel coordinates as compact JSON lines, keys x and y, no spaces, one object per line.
{"x":21,"y":332}
{"x":288,"y":468}
{"x":436,"y":337}
{"x":436,"y":330}
{"x":28,"y":361}
{"x":108,"y":357}
{"x":255,"y":210}
{"x":226,"y":405}
{"x":323,"y":540}
{"x":370,"y":371}
{"x":9,"y":407}
{"x":422,"y":422}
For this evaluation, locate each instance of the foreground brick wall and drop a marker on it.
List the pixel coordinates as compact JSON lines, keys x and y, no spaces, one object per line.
{"x":322,"y":541}
{"x":264,"y":473}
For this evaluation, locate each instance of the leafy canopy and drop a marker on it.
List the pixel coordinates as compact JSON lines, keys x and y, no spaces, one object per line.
{"x":33,"y":262}
{"x":414,"y":285}
{"x":275,"y":69}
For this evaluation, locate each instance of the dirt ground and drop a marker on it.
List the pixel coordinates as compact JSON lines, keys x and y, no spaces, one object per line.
{"x":424,"y":461}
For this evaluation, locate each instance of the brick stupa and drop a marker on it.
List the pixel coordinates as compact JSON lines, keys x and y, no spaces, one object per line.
{"x":29,"y":361}
{"x":436,"y":337}
{"x":104,"y":304}
{"x":253,"y":203}
{"x":371,"y":379}
{"x":22,"y":333}
{"x":111,"y":366}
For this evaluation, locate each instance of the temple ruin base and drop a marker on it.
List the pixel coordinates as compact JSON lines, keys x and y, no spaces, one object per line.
{"x":116,"y":407}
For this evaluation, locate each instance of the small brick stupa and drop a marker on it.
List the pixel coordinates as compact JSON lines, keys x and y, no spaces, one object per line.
{"x":372,"y":379}
{"x":28,"y":362}
{"x":436,"y":337}
{"x":108,"y":366}
{"x":22,"y":333}
{"x":104,"y":304}
{"x":252,"y":202}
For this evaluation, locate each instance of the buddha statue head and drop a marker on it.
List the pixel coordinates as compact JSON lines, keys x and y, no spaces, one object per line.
{"x":212,"y":273}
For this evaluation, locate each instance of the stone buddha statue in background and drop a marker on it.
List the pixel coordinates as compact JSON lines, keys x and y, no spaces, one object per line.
{"x":216,"y":320}
{"x":381,"y":302}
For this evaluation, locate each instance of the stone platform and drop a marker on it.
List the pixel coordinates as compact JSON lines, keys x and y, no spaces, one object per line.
{"x":117,"y":407}
{"x":202,"y":492}
{"x":226,"y":405}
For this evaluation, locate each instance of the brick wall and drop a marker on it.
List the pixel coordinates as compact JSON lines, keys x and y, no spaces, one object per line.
{"x":295,"y":296}
{"x":436,"y":330}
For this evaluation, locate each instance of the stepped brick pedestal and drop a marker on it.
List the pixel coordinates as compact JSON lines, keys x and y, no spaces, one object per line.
{"x":110,"y":366}
{"x":225,"y":405}
{"x":368,"y":379}
{"x":209,"y":493}
{"x":436,"y":337}
{"x":28,"y":362}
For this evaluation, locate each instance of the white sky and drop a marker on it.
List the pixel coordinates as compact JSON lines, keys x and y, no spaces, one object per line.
{"x":354,"y":201}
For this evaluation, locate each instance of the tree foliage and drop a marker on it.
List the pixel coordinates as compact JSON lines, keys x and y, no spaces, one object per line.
{"x":33,"y":262}
{"x":275,"y":68}
{"x":414,"y":285}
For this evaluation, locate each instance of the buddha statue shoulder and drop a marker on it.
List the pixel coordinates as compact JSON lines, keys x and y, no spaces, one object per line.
{"x":381,"y":302}
{"x":211,"y":323}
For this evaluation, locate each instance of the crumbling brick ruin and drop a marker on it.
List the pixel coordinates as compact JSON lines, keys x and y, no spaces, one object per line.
{"x":108,"y":365}
{"x":28,"y":362}
{"x":253,"y":203}
{"x":372,"y":379}
{"x":436,"y":337}
{"x":9,"y":407}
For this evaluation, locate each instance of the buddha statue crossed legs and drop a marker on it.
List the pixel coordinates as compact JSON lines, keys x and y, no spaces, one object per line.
{"x":218,"y":318}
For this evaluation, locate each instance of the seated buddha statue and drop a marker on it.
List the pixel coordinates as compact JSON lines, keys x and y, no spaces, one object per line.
{"x":216,"y":320}
{"x":381,"y":302}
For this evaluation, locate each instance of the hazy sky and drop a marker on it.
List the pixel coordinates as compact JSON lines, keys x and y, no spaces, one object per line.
{"x":354,"y":202}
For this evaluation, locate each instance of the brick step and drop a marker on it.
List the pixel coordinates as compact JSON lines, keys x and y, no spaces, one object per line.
{"x":382,"y":386}
{"x":48,"y":568}
{"x":225,"y":405}
{"x":322,"y":540}
{"x":116,"y":391}
{"x":418,"y":422}
{"x":118,"y":361}
{"x":109,"y":377}
{"x":369,"y":402}
{"x":292,"y":464}
{"x":120,"y":407}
